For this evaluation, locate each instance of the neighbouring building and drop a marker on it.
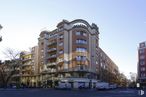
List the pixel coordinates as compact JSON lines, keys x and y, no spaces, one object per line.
{"x":142,"y":63}
{"x":107,"y":67}
{"x":29,"y":67}
{"x":72,"y":51}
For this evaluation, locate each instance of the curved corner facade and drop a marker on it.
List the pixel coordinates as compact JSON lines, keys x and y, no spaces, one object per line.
{"x":71,"y":50}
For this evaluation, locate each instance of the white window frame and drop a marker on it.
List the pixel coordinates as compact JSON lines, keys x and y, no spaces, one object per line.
{"x":78,"y":33}
{"x":61,"y":44}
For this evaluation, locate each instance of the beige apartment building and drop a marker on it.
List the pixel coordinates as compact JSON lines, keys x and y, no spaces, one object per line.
{"x":29,"y":67}
{"x":72,"y":51}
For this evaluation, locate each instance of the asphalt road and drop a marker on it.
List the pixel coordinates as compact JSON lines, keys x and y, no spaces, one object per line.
{"x":68,"y":93}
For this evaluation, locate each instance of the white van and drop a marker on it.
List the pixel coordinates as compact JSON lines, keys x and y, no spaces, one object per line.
{"x":102,"y":86}
{"x":113,"y":86}
{"x":77,"y":83}
{"x":63,"y":85}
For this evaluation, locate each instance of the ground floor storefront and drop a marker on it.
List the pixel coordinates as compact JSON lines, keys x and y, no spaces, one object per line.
{"x":72,"y":79}
{"x":53,"y":82}
{"x":142,"y":83}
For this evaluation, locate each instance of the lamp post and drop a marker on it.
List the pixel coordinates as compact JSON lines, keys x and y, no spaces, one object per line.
{"x":0,"y":36}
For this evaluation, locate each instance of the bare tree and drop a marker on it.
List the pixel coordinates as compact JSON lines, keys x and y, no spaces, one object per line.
{"x":9,"y":68}
{"x":132,"y":81}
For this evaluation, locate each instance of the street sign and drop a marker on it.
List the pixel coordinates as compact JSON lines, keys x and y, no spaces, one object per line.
{"x":138,"y":85}
{"x":140,"y":92}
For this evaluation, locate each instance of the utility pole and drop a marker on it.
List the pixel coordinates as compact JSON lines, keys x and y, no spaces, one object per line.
{"x":0,"y":36}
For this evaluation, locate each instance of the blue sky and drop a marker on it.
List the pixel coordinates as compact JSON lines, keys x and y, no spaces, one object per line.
{"x":122,"y":24}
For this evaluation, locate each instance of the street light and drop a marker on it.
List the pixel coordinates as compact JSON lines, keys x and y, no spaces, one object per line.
{"x":1,"y":26}
{"x":0,"y":36}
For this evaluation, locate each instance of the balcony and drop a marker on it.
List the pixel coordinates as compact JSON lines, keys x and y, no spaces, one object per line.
{"x":79,"y":26}
{"x":60,"y":61}
{"x":26,"y":59}
{"x":63,"y":70}
{"x":26,"y":70}
{"x":52,"y":43}
{"x":27,"y":64}
{"x":53,"y":36}
{"x":49,"y":71}
{"x":81,"y":61}
{"x":52,"y":71}
{"x":51,"y":64}
{"x":81,"y":68}
{"x":52,"y":56}
{"x":52,"y":49}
